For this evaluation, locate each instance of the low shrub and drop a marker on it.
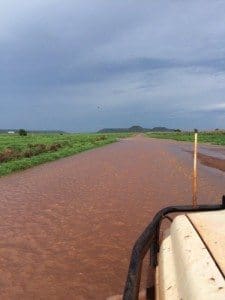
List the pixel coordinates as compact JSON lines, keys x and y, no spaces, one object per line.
{"x":54,"y":147}
{"x":32,"y":150}
{"x":101,"y":138}
{"x":7,"y":154}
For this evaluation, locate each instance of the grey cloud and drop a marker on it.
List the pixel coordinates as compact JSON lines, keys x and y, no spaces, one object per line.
{"x":143,"y":61}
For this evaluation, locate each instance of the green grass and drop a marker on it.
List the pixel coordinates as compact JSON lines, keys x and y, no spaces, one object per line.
{"x":212,"y":137}
{"x":22,"y":152}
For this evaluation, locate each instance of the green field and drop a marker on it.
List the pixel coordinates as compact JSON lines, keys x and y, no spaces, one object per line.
{"x":21,"y":152}
{"x":212,"y":137}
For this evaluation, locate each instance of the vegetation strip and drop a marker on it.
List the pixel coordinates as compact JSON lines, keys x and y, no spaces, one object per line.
{"x":22,"y":152}
{"x":212,"y":137}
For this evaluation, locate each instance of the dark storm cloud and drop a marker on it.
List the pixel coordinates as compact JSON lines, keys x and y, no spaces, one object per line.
{"x":53,"y":74}
{"x":143,"y":62}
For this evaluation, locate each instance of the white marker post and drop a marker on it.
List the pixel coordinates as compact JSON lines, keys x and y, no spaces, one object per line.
{"x":194,"y":199}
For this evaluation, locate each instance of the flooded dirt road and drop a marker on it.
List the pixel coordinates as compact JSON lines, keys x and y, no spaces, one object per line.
{"x":67,"y":227}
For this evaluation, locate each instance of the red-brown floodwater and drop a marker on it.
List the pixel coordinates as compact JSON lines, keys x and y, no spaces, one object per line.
{"x":67,"y":227}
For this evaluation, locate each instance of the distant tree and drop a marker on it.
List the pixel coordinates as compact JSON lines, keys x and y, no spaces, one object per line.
{"x":177,"y":130}
{"x":22,"y":132}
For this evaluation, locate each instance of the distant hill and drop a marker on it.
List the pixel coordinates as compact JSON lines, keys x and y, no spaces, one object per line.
{"x":135,"y":128}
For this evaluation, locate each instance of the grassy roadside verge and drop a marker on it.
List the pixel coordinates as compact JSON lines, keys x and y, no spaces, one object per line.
{"x":212,"y":137}
{"x":19,"y":153}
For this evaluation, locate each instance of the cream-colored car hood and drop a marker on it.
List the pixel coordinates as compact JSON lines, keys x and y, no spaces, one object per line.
{"x":192,"y":258}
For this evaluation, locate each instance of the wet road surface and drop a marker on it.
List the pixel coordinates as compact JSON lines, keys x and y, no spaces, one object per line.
{"x":67,"y":227}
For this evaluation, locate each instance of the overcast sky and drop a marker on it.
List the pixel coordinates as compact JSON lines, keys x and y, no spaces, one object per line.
{"x":84,"y":65}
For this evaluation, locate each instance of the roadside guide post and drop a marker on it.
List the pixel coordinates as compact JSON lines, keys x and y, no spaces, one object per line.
{"x":194,"y":199}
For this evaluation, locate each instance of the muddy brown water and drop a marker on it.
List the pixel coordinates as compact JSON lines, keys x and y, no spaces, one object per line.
{"x":67,"y":227}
